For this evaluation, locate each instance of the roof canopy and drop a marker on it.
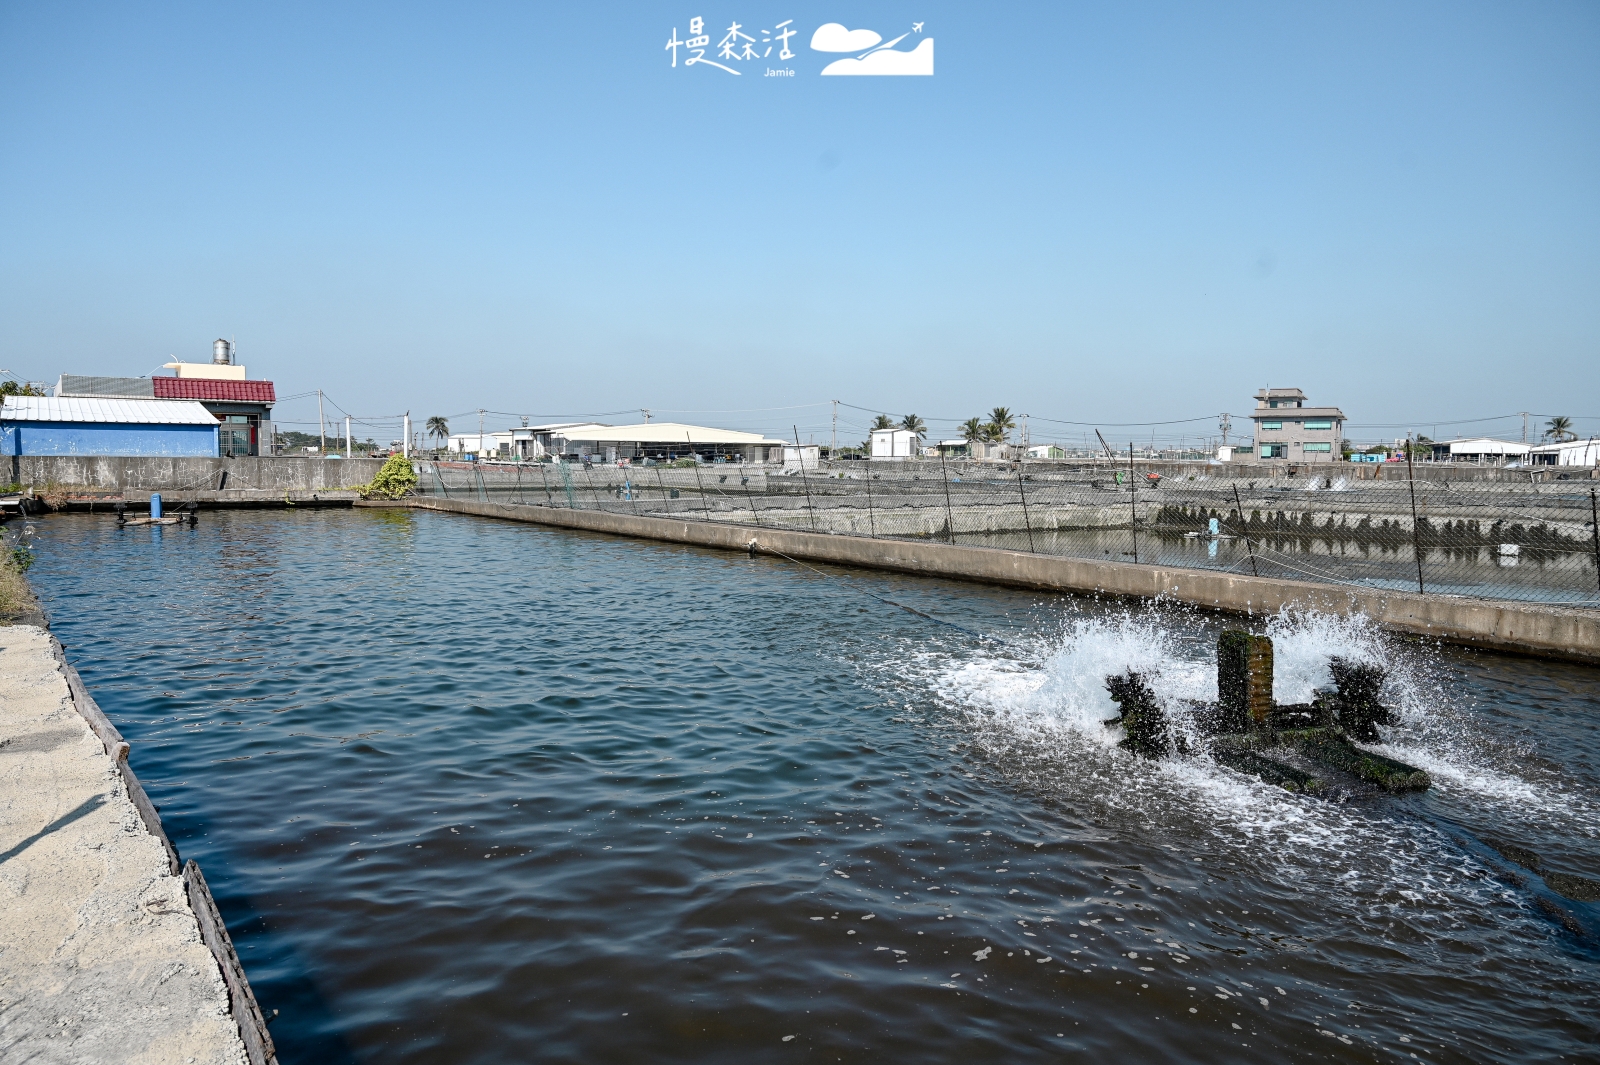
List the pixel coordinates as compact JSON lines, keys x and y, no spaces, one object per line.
{"x":667,"y":433}
{"x":1483,"y":445}
{"x":203,"y":388}
{"x":105,"y":411}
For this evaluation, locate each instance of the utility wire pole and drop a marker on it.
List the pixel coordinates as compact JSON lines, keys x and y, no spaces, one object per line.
{"x":322,"y":425}
{"x":347,"y":442}
{"x":833,"y":448}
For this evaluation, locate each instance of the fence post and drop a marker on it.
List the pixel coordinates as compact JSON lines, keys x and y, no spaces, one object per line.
{"x":1245,"y":525}
{"x":800,"y":456}
{"x":705,"y":504}
{"x":949,"y":514}
{"x":754,"y":513}
{"x":872,"y":522}
{"x":1133,"y":504}
{"x":666,"y":504}
{"x":1416,"y":533}
{"x":545,"y":480}
{"x":1594,"y":525}
{"x":588,"y":473}
{"x":519,"y":484}
{"x":1023,"y":492}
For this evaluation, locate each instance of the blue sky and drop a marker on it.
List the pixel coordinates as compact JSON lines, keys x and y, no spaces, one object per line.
{"x":1091,"y":213}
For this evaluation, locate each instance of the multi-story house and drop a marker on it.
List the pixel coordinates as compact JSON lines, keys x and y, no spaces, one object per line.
{"x":1289,"y":431}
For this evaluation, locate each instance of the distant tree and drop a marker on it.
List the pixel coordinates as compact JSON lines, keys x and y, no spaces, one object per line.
{"x":1560,"y":428}
{"x":438,"y":428}
{"x":882,"y":421}
{"x":1003,"y":423}
{"x":973,"y":430}
{"x":915,"y":426}
{"x":19,"y":388}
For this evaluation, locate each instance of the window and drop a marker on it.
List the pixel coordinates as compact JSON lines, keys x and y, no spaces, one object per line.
{"x":1319,"y":425}
{"x":1272,"y":425}
{"x":1274,"y":451}
{"x":1319,"y":447}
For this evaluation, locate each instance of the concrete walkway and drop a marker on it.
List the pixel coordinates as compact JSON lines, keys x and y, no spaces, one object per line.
{"x":101,"y":957}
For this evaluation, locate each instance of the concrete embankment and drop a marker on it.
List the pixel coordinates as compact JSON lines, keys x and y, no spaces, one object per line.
{"x":109,"y":951}
{"x":1525,"y":628}
{"x":94,"y":482}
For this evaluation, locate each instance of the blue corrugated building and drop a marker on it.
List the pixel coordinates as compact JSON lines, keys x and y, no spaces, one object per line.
{"x":38,"y":425}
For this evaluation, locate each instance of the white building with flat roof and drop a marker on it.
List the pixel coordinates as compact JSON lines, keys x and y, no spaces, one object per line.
{"x":892,"y":444}
{"x":1566,"y":453}
{"x":1479,"y":449}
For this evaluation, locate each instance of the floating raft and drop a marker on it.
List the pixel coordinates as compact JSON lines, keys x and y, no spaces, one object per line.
{"x":1244,"y":729}
{"x":154,"y":521}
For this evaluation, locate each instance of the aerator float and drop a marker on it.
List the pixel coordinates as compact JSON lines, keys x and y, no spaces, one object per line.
{"x":1246,"y":731}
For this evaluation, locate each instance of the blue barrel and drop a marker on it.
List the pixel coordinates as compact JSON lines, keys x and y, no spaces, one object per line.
{"x":1214,"y":529}
{"x":155,"y":506}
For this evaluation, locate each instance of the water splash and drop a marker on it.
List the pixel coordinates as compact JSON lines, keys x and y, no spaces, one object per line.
{"x":1303,"y":645}
{"x":1039,"y":721}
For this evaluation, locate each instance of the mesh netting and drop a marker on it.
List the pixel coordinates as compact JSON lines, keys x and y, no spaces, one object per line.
{"x":1488,"y":540}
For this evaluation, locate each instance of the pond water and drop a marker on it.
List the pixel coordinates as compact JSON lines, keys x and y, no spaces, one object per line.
{"x":475,"y":791}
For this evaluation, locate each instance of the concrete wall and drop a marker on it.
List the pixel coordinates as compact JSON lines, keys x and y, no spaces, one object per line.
{"x":116,"y":475}
{"x":83,"y":438}
{"x":1526,"y":628}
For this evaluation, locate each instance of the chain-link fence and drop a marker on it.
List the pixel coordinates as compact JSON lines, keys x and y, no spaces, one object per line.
{"x":1533,"y":542}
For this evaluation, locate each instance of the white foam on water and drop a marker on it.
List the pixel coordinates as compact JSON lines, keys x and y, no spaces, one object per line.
{"x":1434,"y":731}
{"x":1042,"y":723}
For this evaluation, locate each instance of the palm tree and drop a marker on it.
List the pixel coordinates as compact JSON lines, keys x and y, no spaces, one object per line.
{"x":882,"y":421}
{"x":438,"y":427}
{"x":1003,"y":423}
{"x":915,"y":426}
{"x":1560,"y":428}
{"x":973,"y":430}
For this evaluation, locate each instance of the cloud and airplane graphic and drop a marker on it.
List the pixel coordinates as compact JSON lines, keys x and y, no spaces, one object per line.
{"x":875,"y":57}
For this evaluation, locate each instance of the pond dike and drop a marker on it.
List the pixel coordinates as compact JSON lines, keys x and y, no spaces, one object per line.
{"x":1537,"y":629}
{"x":110,"y":951}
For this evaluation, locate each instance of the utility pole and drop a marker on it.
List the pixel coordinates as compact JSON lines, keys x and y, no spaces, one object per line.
{"x":833,"y":448}
{"x":1524,"y":425}
{"x":642,"y":410}
{"x":347,"y":442}
{"x":322,"y":425}
{"x":1225,"y":423}
{"x":481,"y":448}
{"x":405,"y":437}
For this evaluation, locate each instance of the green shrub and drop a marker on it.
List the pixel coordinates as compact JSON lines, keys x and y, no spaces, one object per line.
{"x":14,"y":594}
{"x":394,"y":480}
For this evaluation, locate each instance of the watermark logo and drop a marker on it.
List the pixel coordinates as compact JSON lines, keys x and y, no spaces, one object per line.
{"x":740,"y":45}
{"x":875,"y":57}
